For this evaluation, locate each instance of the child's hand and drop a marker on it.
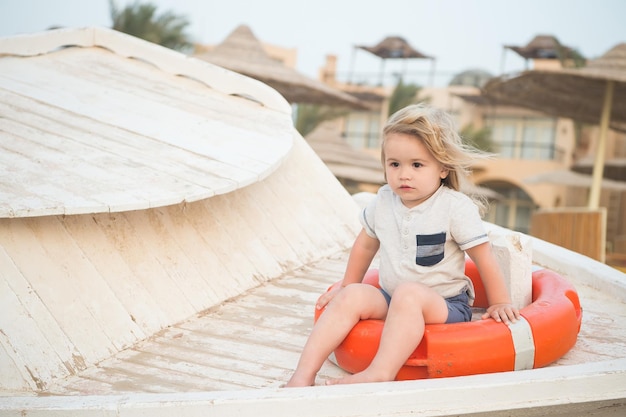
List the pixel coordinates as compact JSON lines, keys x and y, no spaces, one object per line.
{"x":505,"y":313}
{"x":326,"y":297}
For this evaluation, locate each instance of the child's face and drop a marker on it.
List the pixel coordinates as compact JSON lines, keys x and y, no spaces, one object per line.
{"x":412,"y":171}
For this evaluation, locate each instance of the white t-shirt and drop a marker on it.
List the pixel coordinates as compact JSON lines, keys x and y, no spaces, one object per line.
{"x":425,"y":243}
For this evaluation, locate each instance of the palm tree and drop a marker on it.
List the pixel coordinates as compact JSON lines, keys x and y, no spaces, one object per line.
{"x":479,"y":138}
{"x":309,"y":116}
{"x":140,"y":20}
{"x":402,"y":95}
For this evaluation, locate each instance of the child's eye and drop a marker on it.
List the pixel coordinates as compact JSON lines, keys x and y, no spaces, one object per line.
{"x":394,"y":164}
{"x":416,"y":165}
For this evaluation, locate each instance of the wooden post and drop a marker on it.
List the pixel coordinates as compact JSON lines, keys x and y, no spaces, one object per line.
{"x":598,"y":166}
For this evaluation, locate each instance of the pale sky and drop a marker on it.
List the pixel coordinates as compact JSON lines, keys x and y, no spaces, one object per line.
{"x":460,"y":34}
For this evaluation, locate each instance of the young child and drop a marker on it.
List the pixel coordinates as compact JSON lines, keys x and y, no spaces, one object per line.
{"x":422,"y":225}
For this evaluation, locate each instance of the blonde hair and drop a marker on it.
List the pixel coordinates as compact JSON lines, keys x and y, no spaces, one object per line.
{"x":436,"y":129}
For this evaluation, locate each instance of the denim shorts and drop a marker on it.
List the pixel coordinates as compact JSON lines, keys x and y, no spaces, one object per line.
{"x":459,"y":310}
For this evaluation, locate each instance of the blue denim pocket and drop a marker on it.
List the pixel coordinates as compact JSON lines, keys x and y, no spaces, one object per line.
{"x":430,"y":249}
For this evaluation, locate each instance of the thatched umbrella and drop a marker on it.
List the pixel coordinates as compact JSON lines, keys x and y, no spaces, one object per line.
{"x":394,"y":47}
{"x":242,"y":52}
{"x":544,"y":47}
{"x":593,"y":94}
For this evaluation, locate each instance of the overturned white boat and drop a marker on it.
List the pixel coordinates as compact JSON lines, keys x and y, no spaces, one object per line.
{"x":165,"y":231}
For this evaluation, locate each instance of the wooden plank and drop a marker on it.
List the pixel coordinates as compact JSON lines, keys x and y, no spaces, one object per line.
{"x":24,"y":240}
{"x":161,"y":266}
{"x":40,"y":43}
{"x":102,"y":251}
{"x":193,"y":367}
{"x":166,"y":59}
{"x":273,"y":211}
{"x":147,"y":83}
{"x":144,"y":266}
{"x":325,"y":206}
{"x":12,"y":380}
{"x":173,"y":268}
{"x":599,"y":312}
{"x":127,"y":377}
{"x":251,"y":235}
{"x":235,"y":140}
{"x":79,"y":177}
{"x":581,"y":230}
{"x":223,"y":80}
{"x":223,"y":243}
{"x":253,"y":341}
{"x":107,"y":145}
{"x":592,"y":389}
{"x":46,"y":342}
{"x":83,"y":285}
{"x":21,"y":340}
{"x":238,"y":145}
{"x":206,"y":340}
{"x":200,"y":248}
{"x":304,"y":218}
{"x":228,"y":326}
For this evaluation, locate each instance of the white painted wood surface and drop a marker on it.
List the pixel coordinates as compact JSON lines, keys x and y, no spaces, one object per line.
{"x":201,"y":308}
{"x":256,"y":340}
{"x":232,"y":359}
{"x":536,"y":393}
{"x":132,"y":198}
{"x":78,"y":289}
{"x":85,"y":129}
{"x":167,"y":60}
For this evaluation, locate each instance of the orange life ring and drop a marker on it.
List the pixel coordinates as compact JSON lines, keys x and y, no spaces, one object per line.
{"x":548,"y":329}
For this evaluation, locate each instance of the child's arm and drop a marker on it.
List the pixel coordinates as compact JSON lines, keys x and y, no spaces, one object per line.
{"x":361,"y":255}
{"x":500,"y":308}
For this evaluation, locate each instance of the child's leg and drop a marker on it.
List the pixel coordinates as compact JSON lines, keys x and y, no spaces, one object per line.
{"x":351,"y":304}
{"x":412,"y":305}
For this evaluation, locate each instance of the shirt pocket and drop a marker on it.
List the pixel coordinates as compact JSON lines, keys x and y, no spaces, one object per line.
{"x":430,"y":249}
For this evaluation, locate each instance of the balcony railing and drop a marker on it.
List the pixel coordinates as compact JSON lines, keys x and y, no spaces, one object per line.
{"x":537,"y":151}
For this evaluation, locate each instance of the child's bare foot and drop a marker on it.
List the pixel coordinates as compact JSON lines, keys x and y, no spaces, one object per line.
{"x":299,"y":381}
{"x":358,"y":378}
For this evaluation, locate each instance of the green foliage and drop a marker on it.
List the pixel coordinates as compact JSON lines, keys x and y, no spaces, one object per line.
{"x":575,"y":59}
{"x":141,"y":20}
{"x":309,"y":116}
{"x":478,"y":138}
{"x":402,"y":96}
{"x":569,"y":57}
